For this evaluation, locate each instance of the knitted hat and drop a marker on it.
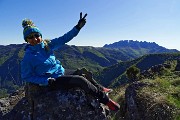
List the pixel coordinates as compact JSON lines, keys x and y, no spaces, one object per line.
{"x":29,"y":28}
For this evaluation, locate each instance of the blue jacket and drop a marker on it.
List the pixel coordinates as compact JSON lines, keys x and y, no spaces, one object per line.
{"x":39,"y":64}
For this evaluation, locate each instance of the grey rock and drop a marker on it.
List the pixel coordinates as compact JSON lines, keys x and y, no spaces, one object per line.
{"x":39,"y":103}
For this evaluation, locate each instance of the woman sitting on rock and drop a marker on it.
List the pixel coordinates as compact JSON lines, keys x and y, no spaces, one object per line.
{"x":40,"y":66}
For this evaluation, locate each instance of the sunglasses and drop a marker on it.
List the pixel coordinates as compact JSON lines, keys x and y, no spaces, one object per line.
{"x":36,"y":35}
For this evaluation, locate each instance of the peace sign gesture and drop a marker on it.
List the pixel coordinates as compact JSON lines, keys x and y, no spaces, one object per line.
{"x":82,"y":21}
{"x":83,"y":17}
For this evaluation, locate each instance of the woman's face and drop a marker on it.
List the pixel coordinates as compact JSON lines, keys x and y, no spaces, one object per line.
{"x":34,"y":38}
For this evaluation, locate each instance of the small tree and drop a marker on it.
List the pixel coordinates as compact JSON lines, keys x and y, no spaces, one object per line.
{"x":132,"y":73}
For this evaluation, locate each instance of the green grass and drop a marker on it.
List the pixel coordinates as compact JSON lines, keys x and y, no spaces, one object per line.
{"x":3,"y":93}
{"x":163,"y":84}
{"x":176,"y":82}
{"x":177,"y":117}
{"x":173,"y":100}
{"x":170,"y":88}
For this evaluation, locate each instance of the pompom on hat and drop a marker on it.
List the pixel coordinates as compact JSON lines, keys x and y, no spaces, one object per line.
{"x":29,"y":27}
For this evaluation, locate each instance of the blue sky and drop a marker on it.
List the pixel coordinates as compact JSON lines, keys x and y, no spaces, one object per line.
{"x":108,"y":21}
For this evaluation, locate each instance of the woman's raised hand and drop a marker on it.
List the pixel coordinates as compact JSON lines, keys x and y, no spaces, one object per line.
{"x":82,"y":21}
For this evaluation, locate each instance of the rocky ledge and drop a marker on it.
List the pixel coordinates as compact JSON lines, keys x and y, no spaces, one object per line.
{"x":72,"y":104}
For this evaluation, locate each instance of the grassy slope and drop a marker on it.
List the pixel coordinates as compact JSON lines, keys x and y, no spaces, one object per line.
{"x":162,"y":94}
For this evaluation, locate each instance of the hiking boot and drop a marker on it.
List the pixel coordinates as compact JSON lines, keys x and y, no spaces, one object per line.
{"x":107,"y":90}
{"x":113,"y":105}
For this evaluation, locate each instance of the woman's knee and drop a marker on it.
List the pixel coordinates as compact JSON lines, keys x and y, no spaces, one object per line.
{"x":80,"y":80}
{"x":79,"y":77}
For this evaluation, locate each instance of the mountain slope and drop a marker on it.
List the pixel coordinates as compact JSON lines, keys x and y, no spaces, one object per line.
{"x":116,"y":75}
{"x":93,"y":58}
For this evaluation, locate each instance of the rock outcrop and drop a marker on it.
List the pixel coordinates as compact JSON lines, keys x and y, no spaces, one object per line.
{"x":155,"y":70}
{"x":71,"y":104}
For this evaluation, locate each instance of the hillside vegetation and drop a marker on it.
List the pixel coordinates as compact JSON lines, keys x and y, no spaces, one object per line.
{"x":115,"y":75}
{"x":151,"y":97}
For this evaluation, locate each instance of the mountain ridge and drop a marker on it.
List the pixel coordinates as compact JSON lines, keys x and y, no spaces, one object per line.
{"x":152,"y":46}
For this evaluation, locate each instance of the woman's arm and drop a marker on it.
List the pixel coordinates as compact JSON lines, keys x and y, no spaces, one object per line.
{"x":58,"y":42}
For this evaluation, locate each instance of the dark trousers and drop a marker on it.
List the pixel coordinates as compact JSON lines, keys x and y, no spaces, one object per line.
{"x":73,"y":81}
{"x":94,"y":82}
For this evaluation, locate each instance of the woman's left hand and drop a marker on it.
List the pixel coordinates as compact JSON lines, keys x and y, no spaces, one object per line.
{"x":51,"y":80}
{"x":81,"y":22}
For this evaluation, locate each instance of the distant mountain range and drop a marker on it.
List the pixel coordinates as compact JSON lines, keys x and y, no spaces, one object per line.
{"x":141,"y":47}
{"x":73,"y":57}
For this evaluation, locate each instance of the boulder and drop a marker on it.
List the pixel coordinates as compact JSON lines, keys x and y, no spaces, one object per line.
{"x":146,"y":106}
{"x":40,"y":103}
